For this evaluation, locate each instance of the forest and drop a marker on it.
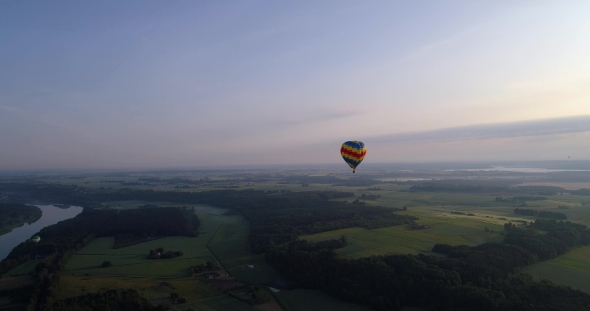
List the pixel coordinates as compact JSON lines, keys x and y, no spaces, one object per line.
{"x":113,"y":300}
{"x":482,"y":277}
{"x":542,"y":214}
{"x":15,"y":214}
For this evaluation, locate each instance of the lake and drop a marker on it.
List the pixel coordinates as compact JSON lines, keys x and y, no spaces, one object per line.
{"x":51,"y":215}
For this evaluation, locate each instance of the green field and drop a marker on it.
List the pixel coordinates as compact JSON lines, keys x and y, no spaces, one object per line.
{"x":221,"y":303}
{"x":131,"y":260}
{"x":230,"y":246}
{"x":156,"y":290}
{"x":571,"y":269}
{"x":24,"y":268}
{"x":444,"y":227}
{"x":312,"y":300}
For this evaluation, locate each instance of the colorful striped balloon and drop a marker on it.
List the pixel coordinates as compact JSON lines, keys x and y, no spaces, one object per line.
{"x":353,"y":153}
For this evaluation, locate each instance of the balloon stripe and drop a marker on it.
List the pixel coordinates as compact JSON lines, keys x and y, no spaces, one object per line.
{"x":353,"y":153}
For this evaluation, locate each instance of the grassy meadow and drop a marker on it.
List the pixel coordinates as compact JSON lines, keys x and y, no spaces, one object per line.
{"x":571,"y":269}
{"x":312,"y":300}
{"x":230,"y":246}
{"x":156,"y":290}
{"x":25,"y":268}
{"x":221,"y":303}
{"x":131,"y":260}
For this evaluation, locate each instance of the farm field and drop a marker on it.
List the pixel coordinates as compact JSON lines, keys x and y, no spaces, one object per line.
{"x":156,"y":290}
{"x":444,"y":227}
{"x":12,"y":282}
{"x":131,"y":260}
{"x":312,"y":300}
{"x":571,"y":269}
{"x":221,"y":303}
{"x":364,"y":242}
{"x":25,"y":268}
{"x":230,"y":246}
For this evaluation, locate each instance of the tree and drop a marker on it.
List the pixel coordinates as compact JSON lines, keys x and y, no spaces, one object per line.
{"x":106,"y":264}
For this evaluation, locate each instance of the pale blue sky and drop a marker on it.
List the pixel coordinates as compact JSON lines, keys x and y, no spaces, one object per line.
{"x":116,"y":84}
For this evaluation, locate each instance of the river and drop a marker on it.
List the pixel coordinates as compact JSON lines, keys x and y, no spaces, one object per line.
{"x":51,"y":215}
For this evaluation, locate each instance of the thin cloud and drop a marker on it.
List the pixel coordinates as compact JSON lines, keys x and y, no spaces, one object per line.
{"x":545,"y":127}
{"x":322,"y":117}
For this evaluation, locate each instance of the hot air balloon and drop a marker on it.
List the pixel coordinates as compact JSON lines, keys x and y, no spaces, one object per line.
{"x":353,"y":153}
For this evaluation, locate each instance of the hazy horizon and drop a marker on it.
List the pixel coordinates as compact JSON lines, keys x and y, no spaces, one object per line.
{"x":148,"y":84}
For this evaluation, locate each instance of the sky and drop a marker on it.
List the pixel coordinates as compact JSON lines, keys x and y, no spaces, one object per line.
{"x":168,"y":84}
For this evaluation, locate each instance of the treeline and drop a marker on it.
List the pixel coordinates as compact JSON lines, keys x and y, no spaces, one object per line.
{"x":520,"y":199}
{"x":200,"y":268}
{"x":583,"y":191}
{"x":13,"y":214}
{"x":159,"y":253}
{"x":485,"y":188}
{"x":468,"y":278}
{"x":543,"y":214}
{"x":370,"y":196}
{"x":112,"y":300}
{"x":561,"y":236}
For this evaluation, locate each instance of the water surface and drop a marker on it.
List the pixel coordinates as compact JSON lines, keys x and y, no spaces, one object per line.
{"x":51,"y":215}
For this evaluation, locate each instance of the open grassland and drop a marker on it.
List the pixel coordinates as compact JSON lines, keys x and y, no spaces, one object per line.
{"x":571,"y":269}
{"x":312,"y":300}
{"x":230,"y":246}
{"x":444,"y":227}
{"x":131,"y":260}
{"x":25,"y":268}
{"x":365,"y":242}
{"x":156,"y":290}
{"x":221,"y":303}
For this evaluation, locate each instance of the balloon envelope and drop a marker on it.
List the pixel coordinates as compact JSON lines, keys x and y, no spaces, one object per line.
{"x":353,"y":153}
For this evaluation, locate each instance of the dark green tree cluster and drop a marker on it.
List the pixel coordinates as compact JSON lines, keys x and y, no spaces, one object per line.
{"x":106,"y":264}
{"x":370,"y":196}
{"x":470,"y":278}
{"x":560,"y":237}
{"x":200,"y":268}
{"x":583,"y":191}
{"x":176,"y":298}
{"x":543,"y":214}
{"x":13,"y":214}
{"x":520,"y":199}
{"x":112,"y":300}
{"x":159,"y":253}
